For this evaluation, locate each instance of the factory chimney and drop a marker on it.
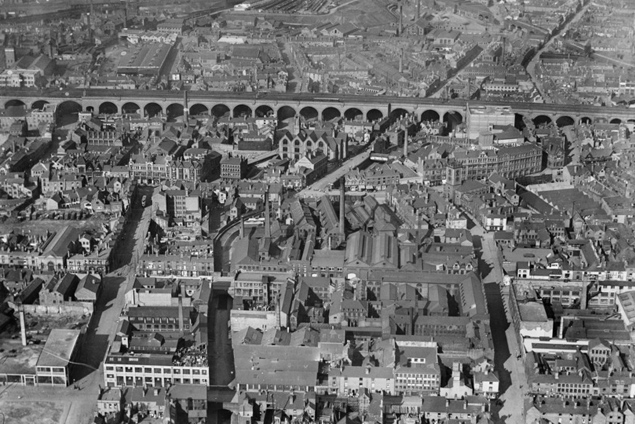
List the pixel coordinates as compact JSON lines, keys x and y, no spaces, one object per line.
{"x":400,"y":18}
{"x":125,"y":16}
{"x":185,"y":108}
{"x":267,"y":216}
{"x":242,"y":227}
{"x":405,"y":144}
{"x":180,"y":312}
{"x":90,"y":26}
{"x":401,"y":61}
{"x":22,"y":325}
{"x":342,"y":208}
{"x":418,"y":9}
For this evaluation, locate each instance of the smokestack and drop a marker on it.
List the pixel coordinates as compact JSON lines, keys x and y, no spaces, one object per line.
{"x":22,"y":325}
{"x":342,"y":207}
{"x":181,"y":313}
{"x":185,"y":108}
{"x":278,"y":312}
{"x":405,"y":144}
{"x":401,"y":62}
{"x":418,"y":9}
{"x":267,"y":218}
{"x":242,"y":227}
{"x":400,"y":18}
{"x":125,"y":16}
{"x":90,"y":27}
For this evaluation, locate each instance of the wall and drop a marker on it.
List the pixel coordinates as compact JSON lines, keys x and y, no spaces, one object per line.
{"x":263,"y":320}
{"x":67,"y":308}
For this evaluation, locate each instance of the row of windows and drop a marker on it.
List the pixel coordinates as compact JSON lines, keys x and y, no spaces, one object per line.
{"x":149,"y":381}
{"x":156,"y":370}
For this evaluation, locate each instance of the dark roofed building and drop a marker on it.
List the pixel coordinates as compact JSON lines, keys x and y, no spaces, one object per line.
{"x":59,"y":290}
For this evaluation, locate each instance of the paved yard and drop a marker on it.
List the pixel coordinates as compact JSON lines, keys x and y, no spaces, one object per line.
{"x":29,"y":412}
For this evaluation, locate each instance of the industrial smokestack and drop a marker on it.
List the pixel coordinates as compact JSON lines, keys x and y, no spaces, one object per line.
{"x":242,"y":227}
{"x":125,"y":16}
{"x":90,"y":27}
{"x":405,"y":144}
{"x":22,"y":326}
{"x":267,"y":217}
{"x":185,"y":107}
{"x":400,"y":18}
{"x":278,"y":313}
{"x":418,"y":9}
{"x":342,"y":207}
{"x":181,"y":313}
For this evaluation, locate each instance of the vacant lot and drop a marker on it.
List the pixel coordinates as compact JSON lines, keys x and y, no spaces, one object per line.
{"x":367,"y":14}
{"x":40,"y":226}
{"x":18,"y":412}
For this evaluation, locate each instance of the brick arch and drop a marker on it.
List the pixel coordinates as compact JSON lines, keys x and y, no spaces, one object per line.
{"x":109,"y":107}
{"x":397,"y":112}
{"x":153,"y":109}
{"x":220,"y":109}
{"x":540,"y":118}
{"x":15,"y":102}
{"x":330,"y":112}
{"x":39,"y":104}
{"x":352,"y":112}
{"x":264,"y":110}
{"x":310,"y":112}
{"x":564,"y":120}
{"x":285,"y":112}
{"x":199,"y":109}
{"x":373,"y":114}
{"x":429,"y":115}
{"x":130,"y":107}
{"x":242,"y":109}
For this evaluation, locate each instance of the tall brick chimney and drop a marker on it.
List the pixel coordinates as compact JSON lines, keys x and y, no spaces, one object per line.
{"x":342,"y":208}
{"x":267,"y":216}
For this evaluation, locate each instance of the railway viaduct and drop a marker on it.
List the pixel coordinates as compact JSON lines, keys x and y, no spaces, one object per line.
{"x":287,"y":105}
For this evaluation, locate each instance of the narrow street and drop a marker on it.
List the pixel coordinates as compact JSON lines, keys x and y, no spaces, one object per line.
{"x":509,"y":369}
{"x":220,"y":354}
{"x":531,"y":66}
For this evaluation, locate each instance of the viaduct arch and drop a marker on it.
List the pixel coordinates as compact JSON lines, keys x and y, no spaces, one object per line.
{"x":309,"y":107}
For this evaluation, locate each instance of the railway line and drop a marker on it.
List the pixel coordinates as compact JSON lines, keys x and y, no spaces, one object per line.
{"x":64,"y":10}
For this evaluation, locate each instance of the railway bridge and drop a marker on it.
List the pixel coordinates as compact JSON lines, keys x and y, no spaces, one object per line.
{"x":286,"y":105}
